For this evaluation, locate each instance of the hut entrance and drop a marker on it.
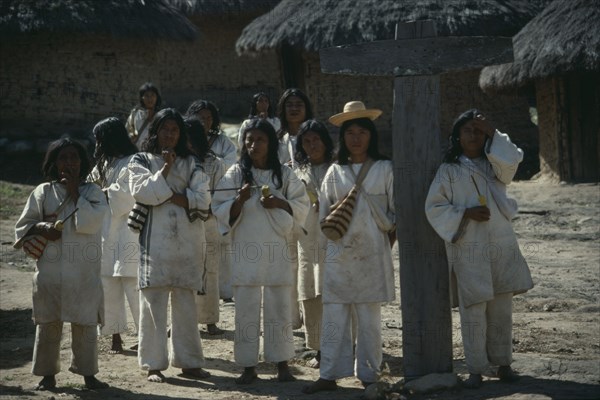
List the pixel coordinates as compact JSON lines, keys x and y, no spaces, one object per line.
{"x":581,"y":102}
{"x":570,"y":126}
{"x":292,"y":66}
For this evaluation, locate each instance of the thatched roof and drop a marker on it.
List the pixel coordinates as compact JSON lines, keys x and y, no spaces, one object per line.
{"x":316,"y":24}
{"x":563,"y":38}
{"x":120,"y":18}
{"x":223,"y":7}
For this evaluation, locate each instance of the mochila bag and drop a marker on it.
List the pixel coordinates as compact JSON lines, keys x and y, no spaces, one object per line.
{"x":34,"y":245}
{"x":335,"y":225}
{"x":136,"y":219}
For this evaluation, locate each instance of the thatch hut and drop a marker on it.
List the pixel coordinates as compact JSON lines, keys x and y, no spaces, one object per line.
{"x":557,"y":54}
{"x":67,"y":63}
{"x":297,"y":29}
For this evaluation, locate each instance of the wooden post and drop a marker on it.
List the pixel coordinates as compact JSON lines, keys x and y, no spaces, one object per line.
{"x":426,"y":319}
{"x":416,"y":58}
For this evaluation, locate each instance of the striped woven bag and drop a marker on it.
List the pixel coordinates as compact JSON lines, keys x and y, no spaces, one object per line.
{"x":335,"y":225}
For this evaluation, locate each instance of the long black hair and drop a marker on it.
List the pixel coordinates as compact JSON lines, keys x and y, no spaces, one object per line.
{"x":281,"y":108}
{"x":149,"y":86}
{"x":112,"y":140}
{"x":200,"y":105}
{"x":49,"y":169}
{"x":343,"y":155}
{"x":182,"y":149}
{"x":272,"y":157}
{"x":312,"y":125}
{"x":455,"y":150}
{"x":197,"y":137}
{"x":255,"y":98}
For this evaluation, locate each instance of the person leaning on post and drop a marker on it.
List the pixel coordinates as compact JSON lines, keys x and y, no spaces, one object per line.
{"x":468,"y":207}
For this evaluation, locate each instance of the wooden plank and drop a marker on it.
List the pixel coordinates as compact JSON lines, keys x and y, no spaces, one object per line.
{"x":424,"y":56}
{"x":426,"y":319}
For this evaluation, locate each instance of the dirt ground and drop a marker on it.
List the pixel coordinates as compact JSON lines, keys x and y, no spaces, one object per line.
{"x":556,"y":324}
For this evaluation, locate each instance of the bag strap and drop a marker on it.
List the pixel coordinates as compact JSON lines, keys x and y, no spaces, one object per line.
{"x":212,"y":140}
{"x":364,"y":169}
{"x":146,"y":122}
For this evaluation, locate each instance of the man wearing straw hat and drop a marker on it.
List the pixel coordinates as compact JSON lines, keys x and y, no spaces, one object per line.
{"x":358,"y":273}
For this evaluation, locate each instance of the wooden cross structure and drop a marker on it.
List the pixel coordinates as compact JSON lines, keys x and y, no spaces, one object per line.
{"x":415,"y":58}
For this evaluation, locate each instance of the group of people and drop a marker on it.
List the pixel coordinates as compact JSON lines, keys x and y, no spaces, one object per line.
{"x":169,"y":211}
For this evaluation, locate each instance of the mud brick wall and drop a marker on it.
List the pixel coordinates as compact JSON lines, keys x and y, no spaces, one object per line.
{"x":209,"y":68}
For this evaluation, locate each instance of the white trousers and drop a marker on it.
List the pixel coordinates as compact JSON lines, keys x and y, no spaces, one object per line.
{"x":46,"y":350}
{"x":337,"y":358}
{"x":116,"y":289}
{"x":207,"y":304}
{"x":312,"y":311}
{"x":296,"y":315}
{"x":487,"y":333}
{"x":186,"y":348}
{"x":278,"y":338}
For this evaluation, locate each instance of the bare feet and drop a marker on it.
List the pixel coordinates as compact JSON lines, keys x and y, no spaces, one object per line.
{"x":117,"y":344}
{"x":248,"y":376}
{"x":214,"y":330}
{"x":319,"y":386}
{"x":195,"y":373}
{"x":473,"y":382}
{"x":48,"y":383}
{"x":155,"y":375}
{"x":315,"y":362}
{"x":283,"y":372}
{"x":506,"y":374}
{"x":92,"y":383}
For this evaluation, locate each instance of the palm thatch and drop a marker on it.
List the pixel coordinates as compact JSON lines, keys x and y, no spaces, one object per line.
{"x":316,"y":24}
{"x":223,"y":7}
{"x":119,"y":18}
{"x":563,"y":38}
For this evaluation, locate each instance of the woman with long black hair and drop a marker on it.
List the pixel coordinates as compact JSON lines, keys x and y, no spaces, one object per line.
{"x":259,"y":202}
{"x":120,"y":247}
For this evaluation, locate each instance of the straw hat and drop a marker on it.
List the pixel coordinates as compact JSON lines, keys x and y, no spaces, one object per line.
{"x":354,"y":110}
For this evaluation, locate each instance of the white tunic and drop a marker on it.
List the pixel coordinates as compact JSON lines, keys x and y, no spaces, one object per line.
{"x":135,"y":123}
{"x":358,"y":267}
{"x":66,"y":283}
{"x":485,"y":258}
{"x":261,"y":245}
{"x":223,"y":148}
{"x":312,"y":246}
{"x":120,"y":246}
{"x":287,"y":149}
{"x":170,"y":253}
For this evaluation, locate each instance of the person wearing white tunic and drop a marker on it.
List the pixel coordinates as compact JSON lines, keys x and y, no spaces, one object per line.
{"x":314,"y":153}
{"x":66,"y":216}
{"x":207,"y":302}
{"x":468,"y":207}
{"x":294,"y":108}
{"x":260,"y":107}
{"x":260,"y":217}
{"x":226,"y":151}
{"x":120,"y":247}
{"x":169,"y":179}
{"x":359,"y":274}
{"x":140,"y":118}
